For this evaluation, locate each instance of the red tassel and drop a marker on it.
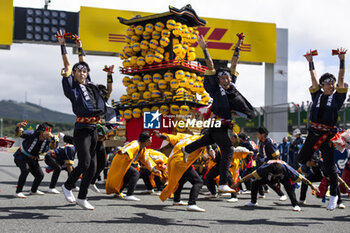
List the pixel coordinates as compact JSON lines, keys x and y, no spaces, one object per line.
{"x":240,"y":35}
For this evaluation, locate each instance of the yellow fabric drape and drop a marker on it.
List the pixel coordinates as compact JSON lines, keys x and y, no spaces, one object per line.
{"x":177,"y":166}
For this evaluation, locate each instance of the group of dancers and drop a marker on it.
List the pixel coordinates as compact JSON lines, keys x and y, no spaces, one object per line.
{"x":231,"y":159}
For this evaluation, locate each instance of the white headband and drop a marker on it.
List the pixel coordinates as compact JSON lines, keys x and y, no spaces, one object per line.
{"x":222,"y":73}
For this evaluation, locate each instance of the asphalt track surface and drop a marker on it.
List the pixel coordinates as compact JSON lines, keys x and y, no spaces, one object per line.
{"x":51,"y":213}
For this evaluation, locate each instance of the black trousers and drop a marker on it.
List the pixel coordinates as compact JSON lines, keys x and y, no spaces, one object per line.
{"x":211,"y":184}
{"x":192,"y":176}
{"x":327,"y":152}
{"x":145,"y":174}
{"x":27,"y":165}
{"x":220,"y":137}
{"x":57,"y":168}
{"x":286,"y":183}
{"x":85,"y":143}
{"x":101,"y":160}
{"x":248,"y":183}
{"x":130,"y":179}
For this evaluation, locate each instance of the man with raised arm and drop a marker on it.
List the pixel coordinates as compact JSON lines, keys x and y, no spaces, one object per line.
{"x":227,"y":102}
{"x":88,"y":105}
{"x":327,"y":99}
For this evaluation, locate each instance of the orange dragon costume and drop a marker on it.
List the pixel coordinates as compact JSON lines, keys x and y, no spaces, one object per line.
{"x":157,"y":159}
{"x":176,"y":165}
{"x":121,"y":163}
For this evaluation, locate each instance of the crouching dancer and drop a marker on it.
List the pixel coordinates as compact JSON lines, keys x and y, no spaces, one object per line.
{"x":123,"y":171}
{"x":179,"y":171}
{"x":56,"y":159}
{"x":27,"y":156}
{"x":272,"y":172}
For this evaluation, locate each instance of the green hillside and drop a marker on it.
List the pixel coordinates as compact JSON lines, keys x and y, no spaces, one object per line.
{"x":13,"y":112}
{"x":28,"y":111}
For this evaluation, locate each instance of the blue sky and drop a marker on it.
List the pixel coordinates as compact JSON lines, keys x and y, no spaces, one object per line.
{"x":312,"y":24}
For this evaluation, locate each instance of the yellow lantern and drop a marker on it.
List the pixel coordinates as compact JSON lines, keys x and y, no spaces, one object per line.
{"x":180,"y":129}
{"x":164,"y":41}
{"x":130,"y":31}
{"x":205,"y":98}
{"x":124,"y":99}
{"x":191,"y":55}
{"x":177,"y":31}
{"x":136,"y":79}
{"x":164,"y":109}
{"x":144,"y":53}
{"x":152,"y":86}
{"x":182,"y":54}
{"x":126,"y":81}
{"x":127,"y":39}
{"x":156,"y":35}
{"x":187,"y":75}
{"x":177,"y":48}
{"x":176,"y":41}
{"x":189,"y":84}
{"x":168,"y":76}
{"x":180,"y":92}
{"x":159,"y":26}
{"x":141,"y":61}
{"x":156,"y":94}
{"x":184,"y":110}
{"x":133,"y":61}
{"x":147,"y":95}
{"x":147,"y":78}
{"x":159,"y":49}
{"x":149,"y":27}
{"x":149,"y":59}
{"x":174,"y":84}
{"x":201,"y":88}
{"x":147,"y":35}
{"x":168,"y":95}
{"x":185,"y":33}
{"x":128,"y":48}
{"x":156,"y":77}
{"x":179,"y":74}
{"x":141,"y":86}
{"x":170,"y":24}
{"x":193,"y":38}
{"x":144,"y":45}
{"x":153,"y":44}
{"x":136,"y":113}
{"x":135,"y":96}
{"x":162,"y":85}
{"x":139,"y":30}
{"x":165,"y":33}
{"x":174,"y":109}
{"x":128,"y":114}
{"x":135,"y":38}
{"x":132,"y":88}
{"x":158,"y":57}
{"x":194,"y":76}
{"x":126,"y":63}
